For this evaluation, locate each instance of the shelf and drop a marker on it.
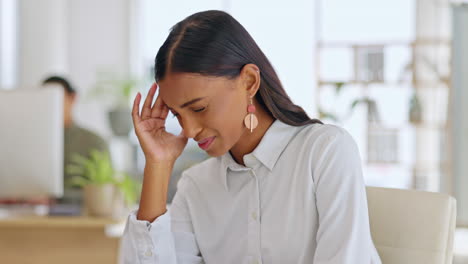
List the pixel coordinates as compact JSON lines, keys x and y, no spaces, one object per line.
{"x":325,"y":83}
{"x":352,"y":44}
{"x":388,"y":83}
{"x":57,"y":221}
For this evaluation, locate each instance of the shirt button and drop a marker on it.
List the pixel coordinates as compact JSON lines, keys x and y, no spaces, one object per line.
{"x":148,"y":253}
{"x":254,"y":216}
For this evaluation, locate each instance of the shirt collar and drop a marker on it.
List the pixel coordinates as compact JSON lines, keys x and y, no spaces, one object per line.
{"x":267,"y":153}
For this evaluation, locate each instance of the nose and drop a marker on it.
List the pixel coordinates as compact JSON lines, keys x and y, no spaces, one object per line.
{"x":190,"y":127}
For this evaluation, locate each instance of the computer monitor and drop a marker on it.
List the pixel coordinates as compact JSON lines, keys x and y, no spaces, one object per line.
{"x":31,"y":143}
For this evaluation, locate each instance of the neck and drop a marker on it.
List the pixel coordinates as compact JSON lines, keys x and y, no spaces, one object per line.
{"x":68,"y":122}
{"x":249,"y":141}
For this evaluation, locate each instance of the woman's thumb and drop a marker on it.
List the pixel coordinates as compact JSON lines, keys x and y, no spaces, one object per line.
{"x":182,"y":135}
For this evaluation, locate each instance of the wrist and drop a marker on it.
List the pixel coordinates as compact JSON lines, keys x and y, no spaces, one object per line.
{"x":160,"y":163}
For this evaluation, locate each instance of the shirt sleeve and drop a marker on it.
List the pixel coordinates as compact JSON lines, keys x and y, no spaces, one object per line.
{"x":343,"y":236}
{"x":169,"y":239}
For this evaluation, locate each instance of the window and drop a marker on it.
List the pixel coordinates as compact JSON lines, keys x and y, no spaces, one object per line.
{"x":8,"y":43}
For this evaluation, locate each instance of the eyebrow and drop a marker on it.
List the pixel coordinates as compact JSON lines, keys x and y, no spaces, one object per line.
{"x":191,"y":102}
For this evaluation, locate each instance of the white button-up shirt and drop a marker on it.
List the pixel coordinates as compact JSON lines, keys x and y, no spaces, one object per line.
{"x":300,"y":198}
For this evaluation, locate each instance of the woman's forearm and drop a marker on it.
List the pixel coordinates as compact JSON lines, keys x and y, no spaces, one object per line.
{"x":154,"y":191}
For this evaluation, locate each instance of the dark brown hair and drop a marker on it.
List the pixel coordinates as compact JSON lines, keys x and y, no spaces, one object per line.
{"x":213,"y":43}
{"x":61,"y":81}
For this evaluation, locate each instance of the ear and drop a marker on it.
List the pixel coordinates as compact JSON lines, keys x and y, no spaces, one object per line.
{"x":250,"y":78}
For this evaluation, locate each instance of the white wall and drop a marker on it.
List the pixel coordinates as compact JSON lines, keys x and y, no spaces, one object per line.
{"x":8,"y":43}
{"x":98,"y":40}
{"x":42,"y":40}
{"x":460,"y":111}
{"x":285,"y":31}
{"x":77,"y":39}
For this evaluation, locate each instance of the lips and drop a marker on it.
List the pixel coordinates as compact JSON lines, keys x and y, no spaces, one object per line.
{"x":205,"y":143}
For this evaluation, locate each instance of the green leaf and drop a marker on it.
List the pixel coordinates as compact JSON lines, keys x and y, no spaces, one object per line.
{"x":74,"y":169}
{"x":130,"y":188}
{"x":97,"y":169}
{"x":338,"y":87}
{"x":115,"y":88}
{"x":327,"y":115}
{"x":78,"y":181}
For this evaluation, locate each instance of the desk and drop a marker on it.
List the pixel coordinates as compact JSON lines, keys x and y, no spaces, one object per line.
{"x":50,"y":240}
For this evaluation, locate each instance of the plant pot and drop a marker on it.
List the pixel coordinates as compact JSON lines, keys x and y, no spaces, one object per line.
{"x":120,"y":120}
{"x":121,"y":210}
{"x":99,"y":199}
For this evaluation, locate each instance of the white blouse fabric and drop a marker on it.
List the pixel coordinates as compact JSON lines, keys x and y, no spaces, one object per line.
{"x":300,"y":198}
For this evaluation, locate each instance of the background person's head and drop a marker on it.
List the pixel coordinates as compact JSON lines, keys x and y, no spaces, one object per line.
{"x":211,"y":57}
{"x":69,"y":96}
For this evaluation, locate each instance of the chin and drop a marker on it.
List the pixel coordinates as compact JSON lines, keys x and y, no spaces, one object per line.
{"x":214,"y":153}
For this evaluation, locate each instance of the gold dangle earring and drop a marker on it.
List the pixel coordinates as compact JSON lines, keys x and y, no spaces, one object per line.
{"x":251,"y":121}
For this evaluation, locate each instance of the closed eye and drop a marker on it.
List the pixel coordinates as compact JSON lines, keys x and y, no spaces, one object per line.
{"x":196,"y":110}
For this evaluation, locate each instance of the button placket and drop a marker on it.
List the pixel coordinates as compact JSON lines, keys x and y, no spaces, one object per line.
{"x":254,"y":221}
{"x":254,"y":216}
{"x":149,"y":253}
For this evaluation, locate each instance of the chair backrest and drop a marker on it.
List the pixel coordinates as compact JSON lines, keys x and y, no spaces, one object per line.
{"x":412,"y":226}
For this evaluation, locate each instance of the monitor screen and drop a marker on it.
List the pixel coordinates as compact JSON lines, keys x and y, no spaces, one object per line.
{"x":31,"y":143}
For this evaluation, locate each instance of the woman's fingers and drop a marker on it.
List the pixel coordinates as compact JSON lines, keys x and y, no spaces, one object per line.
{"x":165,"y":112}
{"x":146,"y":111}
{"x":158,"y":107}
{"x":158,"y":110}
{"x":135,"y":111}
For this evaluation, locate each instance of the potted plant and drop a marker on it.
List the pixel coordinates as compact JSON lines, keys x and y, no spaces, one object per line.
{"x":129,"y":188}
{"x":103,"y":187}
{"x":415,"y":110}
{"x":116,"y":90}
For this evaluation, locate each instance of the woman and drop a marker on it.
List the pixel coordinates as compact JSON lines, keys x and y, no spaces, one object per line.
{"x":280,"y":187}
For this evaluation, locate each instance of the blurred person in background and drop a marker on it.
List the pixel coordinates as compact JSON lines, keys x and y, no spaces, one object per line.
{"x":77,"y":140}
